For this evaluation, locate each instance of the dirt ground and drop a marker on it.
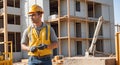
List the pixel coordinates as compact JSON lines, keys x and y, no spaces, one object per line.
{"x":20,"y":63}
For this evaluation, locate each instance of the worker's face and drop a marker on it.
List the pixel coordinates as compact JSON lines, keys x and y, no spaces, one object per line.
{"x":35,"y":17}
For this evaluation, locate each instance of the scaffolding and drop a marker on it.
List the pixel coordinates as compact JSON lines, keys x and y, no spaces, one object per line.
{"x":9,"y":18}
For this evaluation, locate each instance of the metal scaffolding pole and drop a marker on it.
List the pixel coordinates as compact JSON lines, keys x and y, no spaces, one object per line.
{"x":60,"y":49}
{"x":68,"y":24}
{"x":5,"y":26}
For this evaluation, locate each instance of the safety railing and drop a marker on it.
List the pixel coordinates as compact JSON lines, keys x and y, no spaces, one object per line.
{"x":6,"y":57}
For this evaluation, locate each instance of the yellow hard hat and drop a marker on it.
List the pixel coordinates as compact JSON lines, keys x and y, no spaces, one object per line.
{"x":35,"y":8}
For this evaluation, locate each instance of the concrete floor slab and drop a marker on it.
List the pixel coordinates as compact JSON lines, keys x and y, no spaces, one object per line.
{"x":89,"y":61}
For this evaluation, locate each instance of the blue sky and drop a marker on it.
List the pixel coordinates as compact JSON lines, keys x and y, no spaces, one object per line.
{"x":117,"y":11}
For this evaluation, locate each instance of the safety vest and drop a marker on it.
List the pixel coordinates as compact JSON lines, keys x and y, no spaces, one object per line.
{"x":35,"y":40}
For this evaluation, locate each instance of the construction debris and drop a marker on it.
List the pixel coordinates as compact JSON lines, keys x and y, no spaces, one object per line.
{"x":57,"y":60}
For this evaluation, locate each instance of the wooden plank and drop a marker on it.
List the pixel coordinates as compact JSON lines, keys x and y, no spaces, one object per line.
{"x":75,"y":19}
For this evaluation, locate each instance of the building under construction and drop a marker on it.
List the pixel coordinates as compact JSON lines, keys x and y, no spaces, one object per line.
{"x":74,"y":22}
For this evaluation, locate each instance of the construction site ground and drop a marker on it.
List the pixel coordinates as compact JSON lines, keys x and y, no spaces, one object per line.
{"x":82,"y":61}
{"x":20,"y":63}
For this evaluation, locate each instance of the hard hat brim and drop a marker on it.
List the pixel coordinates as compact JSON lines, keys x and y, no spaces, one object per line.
{"x":33,"y":12}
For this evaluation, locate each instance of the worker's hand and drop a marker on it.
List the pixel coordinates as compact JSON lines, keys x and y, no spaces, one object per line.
{"x":33,"y":49}
{"x":42,"y":46}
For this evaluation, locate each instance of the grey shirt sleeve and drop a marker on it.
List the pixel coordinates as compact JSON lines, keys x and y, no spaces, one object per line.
{"x":53,"y":36}
{"x":25,"y":39}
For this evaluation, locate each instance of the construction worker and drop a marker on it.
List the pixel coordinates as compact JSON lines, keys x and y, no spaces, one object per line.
{"x":39,"y":39}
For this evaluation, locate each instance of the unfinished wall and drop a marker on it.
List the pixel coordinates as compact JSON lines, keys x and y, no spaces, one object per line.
{"x":73,"y":48}
{"x":63,"y":29}
{"x":46,"y":9}
{"x":72,"y":34}
{"x":109,"y":26}
{"x":84,"y":47}
{"x":13,"y":10}
{"x":63,"y":6}
{"x":106,"y":12}
{"x":83,"y":10}
{"x":106,"y":29}
{"x":107,"y":46}
{"x":112,"y":26}
{"x":72,"y":7}
{"x":63,"y":9}
{"x":24,"y":17}
{"x":72,"y":28}
{"x":84,"y":30}
{"x":64,"y":45}
{"x":84,"y":34}
{"x":14,"y":28}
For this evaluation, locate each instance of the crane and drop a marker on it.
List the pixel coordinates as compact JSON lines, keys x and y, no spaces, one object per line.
{"x":95,"y":36}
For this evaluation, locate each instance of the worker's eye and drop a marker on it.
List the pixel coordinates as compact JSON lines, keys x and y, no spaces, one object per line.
{"x":32,"y":15}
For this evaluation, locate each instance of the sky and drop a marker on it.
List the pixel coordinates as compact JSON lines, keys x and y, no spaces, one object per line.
{"x":117,"y":11}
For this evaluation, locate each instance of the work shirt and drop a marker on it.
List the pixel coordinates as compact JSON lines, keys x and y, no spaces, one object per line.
{"x":25,"y":39}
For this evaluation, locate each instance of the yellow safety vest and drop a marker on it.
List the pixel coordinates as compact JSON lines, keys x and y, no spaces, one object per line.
{"x":36,"y":40}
